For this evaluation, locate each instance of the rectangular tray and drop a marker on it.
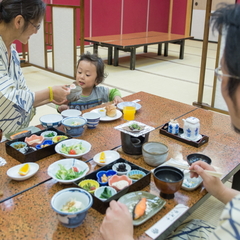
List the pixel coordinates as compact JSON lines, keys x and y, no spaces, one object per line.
{"x":164,"y":131}
{"x":100,"y":205}
{"x":36,"y":155}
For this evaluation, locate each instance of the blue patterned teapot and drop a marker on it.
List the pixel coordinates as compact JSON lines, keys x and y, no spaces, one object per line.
{"x":191,"y":128}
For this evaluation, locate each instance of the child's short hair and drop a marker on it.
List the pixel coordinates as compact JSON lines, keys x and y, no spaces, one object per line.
{"x":98,"y":62}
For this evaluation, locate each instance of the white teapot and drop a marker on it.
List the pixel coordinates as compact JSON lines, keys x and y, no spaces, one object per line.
{"x":191,"y":128}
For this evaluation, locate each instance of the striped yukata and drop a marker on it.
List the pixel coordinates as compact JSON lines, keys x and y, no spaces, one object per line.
{"x":16,"y":100}
{"x":228,"y":227}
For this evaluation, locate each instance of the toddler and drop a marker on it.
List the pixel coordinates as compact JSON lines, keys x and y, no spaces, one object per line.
{"x":87,"y":93}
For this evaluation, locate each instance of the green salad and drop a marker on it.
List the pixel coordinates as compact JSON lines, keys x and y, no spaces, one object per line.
{"x":73,"y":149}
{"x":70,"y":174}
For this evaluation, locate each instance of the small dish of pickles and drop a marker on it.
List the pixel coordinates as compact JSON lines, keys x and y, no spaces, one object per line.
{"x":135,"y":175}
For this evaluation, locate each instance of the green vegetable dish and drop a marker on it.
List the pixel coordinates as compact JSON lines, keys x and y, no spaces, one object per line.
{"x":73,"y":149}
{"x":106,"y":193}
{"x":50,"y":135}
{"x":70,"y":174}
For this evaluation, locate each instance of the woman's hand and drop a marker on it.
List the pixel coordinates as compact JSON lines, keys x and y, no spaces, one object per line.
{"x":60,"y":93}
{"x":117,"y":100}
{"x":117,"y":224}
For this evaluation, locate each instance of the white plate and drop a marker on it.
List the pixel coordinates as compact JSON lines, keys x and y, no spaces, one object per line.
{"x":67,"y":163}
{"x":121,"y":105}
{"x":13,"y":172}
{"x":107,"y":118}
{"x":189,"y":183}
{"x":70,"y":142}
{"x":110,"y":157}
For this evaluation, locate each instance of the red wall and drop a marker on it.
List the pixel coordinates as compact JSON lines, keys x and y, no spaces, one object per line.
{"x":106,"y":16}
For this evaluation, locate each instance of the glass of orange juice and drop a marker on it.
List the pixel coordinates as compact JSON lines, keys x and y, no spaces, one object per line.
{"x":129,"y":113}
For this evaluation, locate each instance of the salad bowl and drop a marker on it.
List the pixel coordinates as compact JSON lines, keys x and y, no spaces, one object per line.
{"x":73,"y":148}
{"x":67,"y":170}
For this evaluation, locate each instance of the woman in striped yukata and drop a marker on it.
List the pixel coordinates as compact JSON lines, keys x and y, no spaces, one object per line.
{"x":19,"y":19}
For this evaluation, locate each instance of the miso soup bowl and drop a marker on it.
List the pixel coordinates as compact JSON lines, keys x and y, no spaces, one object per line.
{"x":168,"y":180}
{"x":71,"y":219}
{"x":154,"y":153}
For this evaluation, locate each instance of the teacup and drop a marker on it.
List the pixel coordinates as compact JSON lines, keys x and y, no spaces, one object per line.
{"x":92,"y":119}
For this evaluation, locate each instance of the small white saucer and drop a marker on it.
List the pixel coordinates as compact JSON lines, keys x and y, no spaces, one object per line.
{"x":195,"y":140}
{"x":190,"y":184}
{"x":13,"y":172}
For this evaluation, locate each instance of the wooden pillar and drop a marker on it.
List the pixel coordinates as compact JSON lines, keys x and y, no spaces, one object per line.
{"x":204,"y":53}
{"x":170,"y":17}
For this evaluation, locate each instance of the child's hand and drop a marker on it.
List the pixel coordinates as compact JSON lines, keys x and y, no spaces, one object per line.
{"x":62,"y":108}
{"x":117,"y":100}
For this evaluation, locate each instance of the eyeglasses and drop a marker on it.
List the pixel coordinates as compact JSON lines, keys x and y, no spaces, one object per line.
{"x":219,"y":74}
{"x":36,"y":26}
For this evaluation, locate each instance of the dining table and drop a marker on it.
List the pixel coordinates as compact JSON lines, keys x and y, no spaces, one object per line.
{"x":26,"y":211}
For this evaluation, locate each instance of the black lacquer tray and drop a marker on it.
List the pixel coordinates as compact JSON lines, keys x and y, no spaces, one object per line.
{"x":100,"y":205}
{"x":36,"y":155}
{"x":200,"y":142}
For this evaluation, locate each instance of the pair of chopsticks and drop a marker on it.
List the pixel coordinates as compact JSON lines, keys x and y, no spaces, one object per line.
{"x":212,"y":173}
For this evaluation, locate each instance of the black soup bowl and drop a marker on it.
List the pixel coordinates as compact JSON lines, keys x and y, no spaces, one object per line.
{"x":168,"y":180}
{"x":194,"y":157}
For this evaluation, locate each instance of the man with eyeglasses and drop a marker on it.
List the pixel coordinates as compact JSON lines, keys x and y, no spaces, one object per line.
{"x":117,"y":223}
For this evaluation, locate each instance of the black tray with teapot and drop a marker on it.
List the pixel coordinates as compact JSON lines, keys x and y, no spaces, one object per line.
{"x":199,"y":142}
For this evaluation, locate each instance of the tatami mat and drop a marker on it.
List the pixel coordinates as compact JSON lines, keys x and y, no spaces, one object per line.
{"x":168,"y":77}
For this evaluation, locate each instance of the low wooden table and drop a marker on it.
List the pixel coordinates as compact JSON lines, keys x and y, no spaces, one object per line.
{"x":28,"y":213}
{"x":130,"y":42}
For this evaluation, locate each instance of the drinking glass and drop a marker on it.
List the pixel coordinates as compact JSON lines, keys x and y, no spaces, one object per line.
{"x":129,"y":113}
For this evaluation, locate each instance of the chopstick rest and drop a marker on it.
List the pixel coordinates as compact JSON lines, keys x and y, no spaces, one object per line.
{"x":212,"y":173}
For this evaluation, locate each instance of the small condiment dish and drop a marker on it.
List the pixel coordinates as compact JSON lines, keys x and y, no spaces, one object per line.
{"x":194,"y":157}
{"x":89,"y":185}
{"x":48,"y":135}
{"x":59,"y":138}
{"x":135,"y":175}
{"x":103,"y":180}
{"x":34,"y":140}
{"x":119,"y":179}
{"x":44,"y":144}
{"x":18,"y":145}
{"x":100,"y":190}
{"x":121,"y":168}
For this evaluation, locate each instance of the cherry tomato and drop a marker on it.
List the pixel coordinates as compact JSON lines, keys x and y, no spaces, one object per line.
{"x":73,"y":152}
{"x":92,"y":188}
{"x":75,"y":169}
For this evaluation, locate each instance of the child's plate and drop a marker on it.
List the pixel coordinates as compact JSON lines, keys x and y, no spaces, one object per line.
{"x":107,"y":118}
